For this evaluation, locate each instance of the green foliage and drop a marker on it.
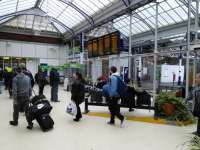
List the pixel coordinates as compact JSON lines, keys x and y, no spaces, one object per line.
{"x":180,"y":114}
{"x":195,"y":143}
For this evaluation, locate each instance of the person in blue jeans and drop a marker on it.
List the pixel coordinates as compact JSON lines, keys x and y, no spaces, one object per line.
{"x":113,"y":105}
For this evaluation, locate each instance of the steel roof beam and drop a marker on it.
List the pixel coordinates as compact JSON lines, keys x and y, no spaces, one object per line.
{"x":126,"y":2}
{"x":37,"y":3}
{"x":31,"y":11}
{"x":117,"y":9}
{"x":63,"y":25}
{"x":187,"y":5}
{"x":144,"y":21}
{"x":1,"y":24}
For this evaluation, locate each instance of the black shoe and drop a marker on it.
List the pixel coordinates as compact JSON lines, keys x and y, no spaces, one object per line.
{"x":13,"y":123}
{"x":77,"y":120}
{"x":30,"y":127}
{"x":111,"y":123}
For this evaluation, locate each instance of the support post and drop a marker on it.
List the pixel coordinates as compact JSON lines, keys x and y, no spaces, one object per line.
{"x":155,"y":54}
{"x":130,"y":46}
{"x":188,"y":49}
{"x":196,"y":38}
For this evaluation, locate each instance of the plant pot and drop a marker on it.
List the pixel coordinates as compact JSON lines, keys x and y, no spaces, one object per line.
{"x":168,"y":109}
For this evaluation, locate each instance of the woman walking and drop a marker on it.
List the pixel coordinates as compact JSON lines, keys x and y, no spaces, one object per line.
{"x":78,"y":93}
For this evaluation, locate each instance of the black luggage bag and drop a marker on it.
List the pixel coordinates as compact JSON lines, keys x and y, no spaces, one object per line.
{"x":96,"y":95}
{"x":36,"y":98}
{"x":143,"y":98}
{"x":40,"y":108}
{"x":45,"y":121}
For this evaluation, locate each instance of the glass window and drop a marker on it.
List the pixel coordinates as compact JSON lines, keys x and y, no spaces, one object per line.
{"x":59,"y":27}
{"x":4,"y":20}
{"x":25,"y":4}
{"x":7,"y":6}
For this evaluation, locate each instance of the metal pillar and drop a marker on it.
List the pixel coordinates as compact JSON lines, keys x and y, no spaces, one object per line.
{"x":188,"y":49}
{"x":73,"y":48}
{"x":196,"y":38}
{"x":118,"y":63}
{"x":82,"y":51}
{"x":130,"y":46}
{"x":88,"y":68}
{"x":155,"y":54}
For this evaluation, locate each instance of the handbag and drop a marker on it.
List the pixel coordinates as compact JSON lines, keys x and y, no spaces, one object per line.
{"x":71,"y":109}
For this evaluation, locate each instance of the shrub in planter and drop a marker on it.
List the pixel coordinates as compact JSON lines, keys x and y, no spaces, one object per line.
{"x":172,"y":107}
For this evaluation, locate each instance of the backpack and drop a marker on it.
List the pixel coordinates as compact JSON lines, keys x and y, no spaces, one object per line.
{"x":121,"y":86}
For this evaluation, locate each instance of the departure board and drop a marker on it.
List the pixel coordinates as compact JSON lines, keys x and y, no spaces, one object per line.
{"x":100,"y":47}
{"x":106,"y":45}
{"x":89,"y":48}
{"x":95,"y":48}
{"x":114,"y":43}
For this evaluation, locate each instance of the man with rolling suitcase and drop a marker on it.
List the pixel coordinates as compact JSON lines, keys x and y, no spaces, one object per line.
{"x":21,"y":94}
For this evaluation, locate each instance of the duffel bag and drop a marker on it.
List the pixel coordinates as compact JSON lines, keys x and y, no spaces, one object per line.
{"x":42,"y":107}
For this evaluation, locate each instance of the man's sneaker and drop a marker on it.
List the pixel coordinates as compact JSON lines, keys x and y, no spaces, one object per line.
{"x":13,"y":123}
{"x":111,"y":123}
{"x":122,"y":123}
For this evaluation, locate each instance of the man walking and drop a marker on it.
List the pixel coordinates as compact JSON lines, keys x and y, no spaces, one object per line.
{"x":21,"y":94}
{"x":113,"y":105}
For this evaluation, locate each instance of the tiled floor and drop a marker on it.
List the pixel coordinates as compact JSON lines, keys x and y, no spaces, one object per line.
{"x":92,"y":133}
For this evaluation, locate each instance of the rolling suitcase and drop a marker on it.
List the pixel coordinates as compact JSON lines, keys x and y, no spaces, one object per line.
{"x":45,"y":121}
{"x":40,"y":108}
{"x":37,"y":98}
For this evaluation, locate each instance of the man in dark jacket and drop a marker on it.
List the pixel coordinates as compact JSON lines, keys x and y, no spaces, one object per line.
{"x":78,"y":93}
{"x":41,"y":81}
{"x":21,"y":94}
{"x":54,"y":83}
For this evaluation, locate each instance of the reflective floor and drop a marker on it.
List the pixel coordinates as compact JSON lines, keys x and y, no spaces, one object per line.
{"x":91,"y":133}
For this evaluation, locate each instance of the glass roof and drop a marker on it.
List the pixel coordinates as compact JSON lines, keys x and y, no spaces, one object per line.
{"x":68,"y":12}
{"x":170,"y":12}
{"x":32,"y":22}
{"x":69,"y":15}
{"x":11,"y":6}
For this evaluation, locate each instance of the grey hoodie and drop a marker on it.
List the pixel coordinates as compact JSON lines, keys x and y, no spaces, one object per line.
{"x":21,"y":86}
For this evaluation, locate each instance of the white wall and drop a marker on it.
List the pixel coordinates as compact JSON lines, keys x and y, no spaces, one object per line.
{"x":115,"y":61}
{"x":54,"y":54}
{"x":96,"y":69}
{"x":32,"y":65}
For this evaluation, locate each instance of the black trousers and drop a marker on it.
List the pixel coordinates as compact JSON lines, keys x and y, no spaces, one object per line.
{"x":198,"y":126}
{"x":114,"y":109}
{"x":41,"y":89}
{"x":21,"y":104}
{"x":78,"y":115}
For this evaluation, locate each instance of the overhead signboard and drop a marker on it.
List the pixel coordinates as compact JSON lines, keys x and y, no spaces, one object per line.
{"x":105,"y":45}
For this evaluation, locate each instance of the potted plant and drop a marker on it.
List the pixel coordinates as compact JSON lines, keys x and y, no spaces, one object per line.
{"x":167,"y":102}
{"x":170,"y":106}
